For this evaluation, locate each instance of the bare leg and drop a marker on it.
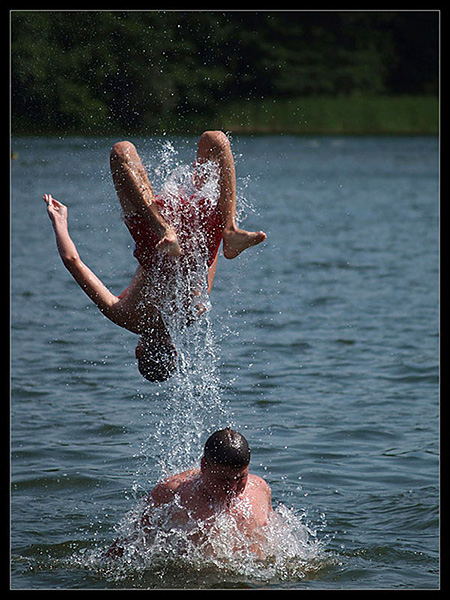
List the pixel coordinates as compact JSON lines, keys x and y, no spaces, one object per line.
{"x":136,"y":194}
{"x":215,"y":146}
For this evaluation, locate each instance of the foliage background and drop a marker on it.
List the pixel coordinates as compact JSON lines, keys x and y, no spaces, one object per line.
{"x":152,"y":71}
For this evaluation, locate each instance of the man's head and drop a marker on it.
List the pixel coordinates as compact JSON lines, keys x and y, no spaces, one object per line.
{"x":156,"y":357}
{"x":225,"y":463}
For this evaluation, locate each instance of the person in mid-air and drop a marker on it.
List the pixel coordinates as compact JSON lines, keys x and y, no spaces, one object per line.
{"x":167,"y":237}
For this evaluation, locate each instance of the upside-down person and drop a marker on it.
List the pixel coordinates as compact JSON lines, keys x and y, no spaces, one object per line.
{"x":166,"y":237}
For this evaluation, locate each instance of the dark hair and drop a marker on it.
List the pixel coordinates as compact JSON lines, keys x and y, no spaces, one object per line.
{"x":227,"y":447}
{"x":157,"y":362}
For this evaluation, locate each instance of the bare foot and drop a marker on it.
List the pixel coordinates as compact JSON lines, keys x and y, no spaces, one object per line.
{"x":237,"y":240}
{"x":168,"y":244}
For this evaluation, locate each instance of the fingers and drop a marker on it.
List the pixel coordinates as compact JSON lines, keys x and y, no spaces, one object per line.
{"x":51,"y":202}
{"x":54,"y":208}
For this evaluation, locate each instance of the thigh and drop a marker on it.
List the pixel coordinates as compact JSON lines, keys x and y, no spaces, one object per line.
{"x":130,"y":177}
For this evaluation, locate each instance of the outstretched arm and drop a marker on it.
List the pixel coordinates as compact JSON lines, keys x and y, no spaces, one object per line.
{"x":110,"y":305}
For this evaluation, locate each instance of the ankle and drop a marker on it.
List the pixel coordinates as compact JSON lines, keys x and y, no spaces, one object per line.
{"x":230,"y":229}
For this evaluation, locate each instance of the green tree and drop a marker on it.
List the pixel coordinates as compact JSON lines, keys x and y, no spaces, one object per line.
{"x":100,"y":70}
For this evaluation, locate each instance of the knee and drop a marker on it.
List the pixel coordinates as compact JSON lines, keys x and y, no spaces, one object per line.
{"x":214,"y":141}
{"x":122,"y":151}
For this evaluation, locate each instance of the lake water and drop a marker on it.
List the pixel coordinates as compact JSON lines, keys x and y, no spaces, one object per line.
{"x":321,"y":346}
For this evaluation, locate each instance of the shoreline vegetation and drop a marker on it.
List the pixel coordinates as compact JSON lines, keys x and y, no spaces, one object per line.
{"x":320,"y":115}
{"x":155,"y":72}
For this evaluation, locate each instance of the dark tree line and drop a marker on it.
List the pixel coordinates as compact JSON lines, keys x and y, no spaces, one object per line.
{"x":106,"y":69}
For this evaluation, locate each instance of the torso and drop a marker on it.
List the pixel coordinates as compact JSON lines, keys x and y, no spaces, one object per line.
{"x":135,"y":309}
{"x":141,"y":301}
{"x":250,"y":509}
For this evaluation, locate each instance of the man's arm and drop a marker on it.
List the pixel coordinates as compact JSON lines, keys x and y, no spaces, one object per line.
{"x":110,"y":305}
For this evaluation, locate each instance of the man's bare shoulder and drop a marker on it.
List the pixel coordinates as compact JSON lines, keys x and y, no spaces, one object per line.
{"x":260,"y":487}
{"x":258,"y":482}
{"x":164,"y":491}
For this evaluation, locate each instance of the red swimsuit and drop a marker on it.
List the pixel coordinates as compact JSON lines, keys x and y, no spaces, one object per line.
{"x":197,"y":225}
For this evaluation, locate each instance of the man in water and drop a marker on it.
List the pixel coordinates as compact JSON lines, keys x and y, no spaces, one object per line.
{"x":163,"y":236}
{"x":222,"y":485}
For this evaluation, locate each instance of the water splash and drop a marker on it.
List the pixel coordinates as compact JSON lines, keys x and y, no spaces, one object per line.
{"x":165,"y":556}
{"x":193,"y":407}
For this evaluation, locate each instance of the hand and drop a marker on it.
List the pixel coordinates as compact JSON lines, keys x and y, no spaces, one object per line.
{"x":56,"y":210}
